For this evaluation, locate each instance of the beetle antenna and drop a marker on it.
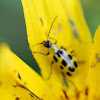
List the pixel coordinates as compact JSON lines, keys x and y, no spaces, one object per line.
{"x":37,"y":44}
{"x":51,"y":27}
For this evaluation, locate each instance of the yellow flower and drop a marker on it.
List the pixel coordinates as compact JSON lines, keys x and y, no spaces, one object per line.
{"x":19,"y":82}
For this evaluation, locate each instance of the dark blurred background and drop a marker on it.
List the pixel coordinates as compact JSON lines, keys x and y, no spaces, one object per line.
{"x":12,"y":26}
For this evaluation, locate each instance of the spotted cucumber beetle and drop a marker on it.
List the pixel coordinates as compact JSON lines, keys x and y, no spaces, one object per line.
{"x":68,"y":62}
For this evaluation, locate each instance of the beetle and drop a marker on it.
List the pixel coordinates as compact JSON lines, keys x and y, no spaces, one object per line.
{"x":68,"y":62}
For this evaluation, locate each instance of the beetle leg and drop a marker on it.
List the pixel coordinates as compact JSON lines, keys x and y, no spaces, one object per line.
{"x":51,"y":70}
{"x":53,"y":39}
{"x":63,"y":48}
{"x":65,"y":79}
{"x":41,"y":53}
{"x":73,"y":53}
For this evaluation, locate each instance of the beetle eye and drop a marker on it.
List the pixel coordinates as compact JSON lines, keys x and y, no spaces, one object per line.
{"x":49,"y":44}
{"x":45,"y":45}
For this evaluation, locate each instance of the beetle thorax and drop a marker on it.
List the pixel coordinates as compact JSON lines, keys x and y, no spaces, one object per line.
{"x":54,"y":48}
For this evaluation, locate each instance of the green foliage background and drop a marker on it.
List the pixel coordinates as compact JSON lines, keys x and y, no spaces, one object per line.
{"x":13,"y":31}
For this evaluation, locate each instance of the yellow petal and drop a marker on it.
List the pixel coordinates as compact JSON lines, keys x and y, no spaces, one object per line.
{"x":35,"y":11}
{"x":39,"y":15}
{"x":18,"y":80}
{"x":80,"y":45}
{"x":74,"y":10}
{"x":93,"y":79}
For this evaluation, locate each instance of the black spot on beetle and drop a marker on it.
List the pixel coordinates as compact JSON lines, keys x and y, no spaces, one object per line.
{"x":55,"y":58}
{"x":61,"y":67}
{"x":71,"y":69}
{"x":59,"y":55}
{"x":75,"y":64}
{"x":69,"y":74}
{"x":59,"y":52}
{"x":69,"y":57}
{"x":64,"y":62}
